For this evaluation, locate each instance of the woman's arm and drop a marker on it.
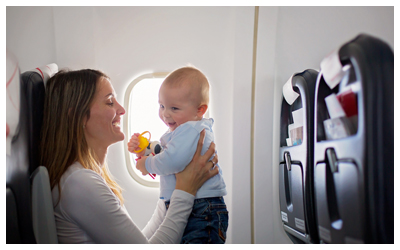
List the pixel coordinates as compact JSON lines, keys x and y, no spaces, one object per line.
{"x":172,"y":228}
{"x":88,"y":202}
{"x":156,"y":219}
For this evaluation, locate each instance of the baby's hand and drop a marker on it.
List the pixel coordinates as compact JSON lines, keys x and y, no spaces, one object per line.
{"x":141,"y":165}
{"x":133,"y":144}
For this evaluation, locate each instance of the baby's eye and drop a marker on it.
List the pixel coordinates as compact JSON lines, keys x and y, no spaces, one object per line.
{"x":161,"y":106}
{"x":174,"y":108}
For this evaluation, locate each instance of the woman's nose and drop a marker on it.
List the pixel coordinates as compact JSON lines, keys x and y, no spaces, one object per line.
{"x":120,"y":110}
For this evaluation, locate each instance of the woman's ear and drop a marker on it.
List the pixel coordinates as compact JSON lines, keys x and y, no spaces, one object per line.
{"x":84,"y":122}
{"x":201,"y":110}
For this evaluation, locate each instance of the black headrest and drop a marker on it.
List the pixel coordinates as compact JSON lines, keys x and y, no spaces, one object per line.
{"x":33,"y":87}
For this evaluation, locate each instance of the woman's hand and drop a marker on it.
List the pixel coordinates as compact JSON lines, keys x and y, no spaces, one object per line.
{"x":199,"y":170}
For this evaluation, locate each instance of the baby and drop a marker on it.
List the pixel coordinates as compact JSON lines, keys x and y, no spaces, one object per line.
{"x":183,"y":99}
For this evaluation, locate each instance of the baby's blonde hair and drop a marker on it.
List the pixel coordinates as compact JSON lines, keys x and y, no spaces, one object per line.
{"x":190,"y":76}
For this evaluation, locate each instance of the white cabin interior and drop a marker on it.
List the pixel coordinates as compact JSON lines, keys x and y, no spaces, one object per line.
{"x":237,"y":48}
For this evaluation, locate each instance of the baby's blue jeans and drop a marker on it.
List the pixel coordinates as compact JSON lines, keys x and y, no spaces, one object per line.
{"x":208,"y":222}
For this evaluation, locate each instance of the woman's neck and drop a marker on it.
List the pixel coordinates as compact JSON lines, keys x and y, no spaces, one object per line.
{"x":100,"y":154}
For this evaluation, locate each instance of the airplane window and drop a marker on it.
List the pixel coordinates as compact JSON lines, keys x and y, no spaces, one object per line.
{"x":141,"y":104}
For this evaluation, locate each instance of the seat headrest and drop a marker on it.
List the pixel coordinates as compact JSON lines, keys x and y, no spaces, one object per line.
{"x":47,"y":71}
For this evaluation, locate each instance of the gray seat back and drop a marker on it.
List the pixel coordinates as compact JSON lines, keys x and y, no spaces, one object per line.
{"x":44,"y":225}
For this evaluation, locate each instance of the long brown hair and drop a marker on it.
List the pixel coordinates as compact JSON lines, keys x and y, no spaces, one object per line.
{"x":68,"y":99}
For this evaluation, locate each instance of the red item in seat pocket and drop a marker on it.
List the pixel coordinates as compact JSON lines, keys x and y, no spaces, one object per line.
{"x":348,"y":100}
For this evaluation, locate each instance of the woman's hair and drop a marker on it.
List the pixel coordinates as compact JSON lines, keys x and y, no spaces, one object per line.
{"x":69,"y":95}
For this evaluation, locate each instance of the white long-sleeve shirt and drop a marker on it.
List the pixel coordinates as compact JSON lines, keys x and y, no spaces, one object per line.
{"x":89,"y":212}
{"x":179,"y":147}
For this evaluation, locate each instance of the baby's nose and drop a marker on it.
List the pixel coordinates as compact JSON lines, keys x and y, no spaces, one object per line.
{"x":166,"y":114}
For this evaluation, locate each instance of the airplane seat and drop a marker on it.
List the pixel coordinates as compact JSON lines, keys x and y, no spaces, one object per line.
{"x":25,"y":100}
{"x":44,"y":224}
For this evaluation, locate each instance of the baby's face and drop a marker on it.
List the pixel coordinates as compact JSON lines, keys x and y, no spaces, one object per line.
{"x":176,"y":106}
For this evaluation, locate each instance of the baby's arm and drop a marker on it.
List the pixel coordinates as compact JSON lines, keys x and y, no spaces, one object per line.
{"x":176,"y":154}
{"x":133,"y":144}
{"x":141,"y":165}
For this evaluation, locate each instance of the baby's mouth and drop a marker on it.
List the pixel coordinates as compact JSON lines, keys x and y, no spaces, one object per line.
{"x":171,"y":124}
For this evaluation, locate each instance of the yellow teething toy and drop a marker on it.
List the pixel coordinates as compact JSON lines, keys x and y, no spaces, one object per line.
{"x":143,"y":142}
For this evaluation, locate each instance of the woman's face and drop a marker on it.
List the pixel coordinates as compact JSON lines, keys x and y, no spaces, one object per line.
{"x":103,"y":126}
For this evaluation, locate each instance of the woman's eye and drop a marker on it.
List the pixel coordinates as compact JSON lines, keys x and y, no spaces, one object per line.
{"x":110,"y":104}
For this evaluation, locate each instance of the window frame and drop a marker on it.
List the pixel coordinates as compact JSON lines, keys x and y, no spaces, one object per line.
{"x":126,"y":124}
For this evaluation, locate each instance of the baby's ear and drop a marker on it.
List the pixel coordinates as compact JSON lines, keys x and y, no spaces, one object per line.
{"x":201,"y":110}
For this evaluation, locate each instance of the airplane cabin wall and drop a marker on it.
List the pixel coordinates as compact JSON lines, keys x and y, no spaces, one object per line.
{"x":30,"y":35}
{"x":126,"y":42}
{"x":264,"y":189}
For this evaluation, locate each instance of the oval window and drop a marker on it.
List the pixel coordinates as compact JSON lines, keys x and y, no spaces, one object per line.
{"x":141,"y":104}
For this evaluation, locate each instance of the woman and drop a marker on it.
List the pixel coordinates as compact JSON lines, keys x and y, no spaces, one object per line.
{"x":81,"y":120}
